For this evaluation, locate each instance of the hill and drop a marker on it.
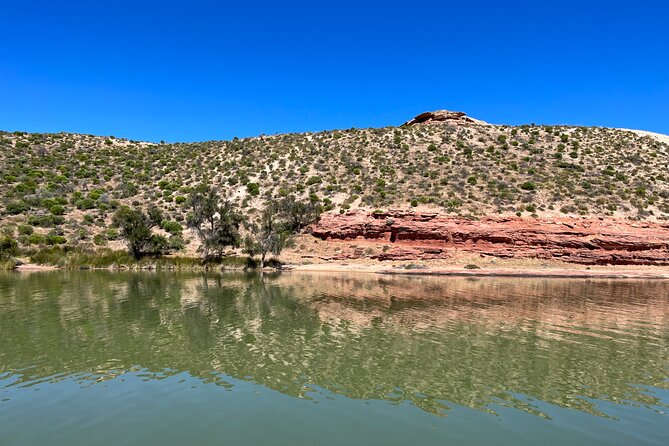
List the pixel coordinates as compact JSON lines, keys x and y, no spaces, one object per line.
{"x":63,"y":187}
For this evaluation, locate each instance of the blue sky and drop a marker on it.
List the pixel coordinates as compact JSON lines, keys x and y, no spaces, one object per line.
{"x":195,"y":70}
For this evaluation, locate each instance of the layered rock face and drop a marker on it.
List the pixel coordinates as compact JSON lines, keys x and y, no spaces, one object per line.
{"x":443,"y":115}
{"x":421,"y":235}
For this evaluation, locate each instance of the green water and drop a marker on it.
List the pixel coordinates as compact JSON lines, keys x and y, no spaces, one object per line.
{"x":297,"y":359}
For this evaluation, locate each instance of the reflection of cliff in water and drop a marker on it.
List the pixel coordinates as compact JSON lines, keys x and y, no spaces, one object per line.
{"x":429,"y":301}
{"x":431,"y":341}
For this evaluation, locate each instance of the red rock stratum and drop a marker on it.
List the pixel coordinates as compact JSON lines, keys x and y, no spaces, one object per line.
{"x":424,"y":235}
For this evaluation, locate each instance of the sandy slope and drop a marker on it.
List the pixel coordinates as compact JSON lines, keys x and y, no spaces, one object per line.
{"x":659,"y":136}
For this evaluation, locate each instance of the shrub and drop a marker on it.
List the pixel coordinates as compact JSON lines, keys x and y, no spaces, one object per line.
{"x":253,"y":189}
{"x":26,"y":230}
{"x":45,"y":221}
{"x":112,"y":234}
{"x":100,"y":240}
{"x":528,"y":185}
{"x":16,"y":207}
{"x":8,"y":246}
{"x":52,"y":239}
{"x":314,"y":180}
{"x":96,"y":194}
{"x":57,"y":209}
{"x":35,"y":239}
{"x":171,"y":227}
{"x":85,"y":204}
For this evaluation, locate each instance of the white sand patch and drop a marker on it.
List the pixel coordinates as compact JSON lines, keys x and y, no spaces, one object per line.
{"x":659,"y":136}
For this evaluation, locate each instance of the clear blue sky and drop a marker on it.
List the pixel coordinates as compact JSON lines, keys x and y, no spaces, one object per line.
{"x":194,"y":70}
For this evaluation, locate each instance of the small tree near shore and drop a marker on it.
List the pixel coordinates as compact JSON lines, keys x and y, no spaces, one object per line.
{"x":269,"y":236}
{"x":296,"y":214}
{"x":8,"y":245}
{"x":136,"y":228}
{"x":216,"y":223}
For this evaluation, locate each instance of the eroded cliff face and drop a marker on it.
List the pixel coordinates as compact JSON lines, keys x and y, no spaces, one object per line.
{"x":454,"y":117}
{"x":423,"y":235}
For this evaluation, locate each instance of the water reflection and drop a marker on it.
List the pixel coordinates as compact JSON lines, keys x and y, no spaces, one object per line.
{"x":432,"y":341}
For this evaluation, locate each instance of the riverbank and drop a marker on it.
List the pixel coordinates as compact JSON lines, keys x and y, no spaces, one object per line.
{"x":361,"y":256}
{"x":411,"y":269}
{"x":367,"y":254}
{"x":108,"y":259}
{"x":497,"y":269}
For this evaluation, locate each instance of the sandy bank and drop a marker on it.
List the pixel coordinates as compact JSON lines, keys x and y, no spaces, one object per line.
{"x":28,"y":267}
{"x":509,"y":271}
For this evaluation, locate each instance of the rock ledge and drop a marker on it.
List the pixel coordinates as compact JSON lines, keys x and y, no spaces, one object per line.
{"x":442,"y":116}
{"x":431,"y":235}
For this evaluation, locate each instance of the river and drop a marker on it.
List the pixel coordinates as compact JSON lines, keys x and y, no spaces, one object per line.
{"x":110,"y":358}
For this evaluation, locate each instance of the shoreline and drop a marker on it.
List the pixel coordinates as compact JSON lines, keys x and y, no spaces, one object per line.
{"x":518,"y":272}
{"x":544,"y":274}
{"x":384,"y":271}
{"x":30,"y":267}
{"x":461,"y":268}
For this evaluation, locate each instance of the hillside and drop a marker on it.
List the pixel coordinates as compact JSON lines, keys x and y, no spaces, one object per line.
{"x":66,"y":186}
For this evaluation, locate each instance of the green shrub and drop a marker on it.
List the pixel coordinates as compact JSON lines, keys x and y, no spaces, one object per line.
{"x":26,"y":230}
{"x":100,"y":239}
{"x":57,"y":209}
{"x":95,"y":194}
{"x":53,"y":239}
{"x":313,"y":180}
{"x":171,"y":227}
{"x":528,"y":185}
{"x":85,"y":204}
{"x":8,"y":246}
{"x":111,"y":234}
{"x":16,"y":207}
{"x":253,"y":189}
{"x":45,"y":221}
{"x":36,"y":239}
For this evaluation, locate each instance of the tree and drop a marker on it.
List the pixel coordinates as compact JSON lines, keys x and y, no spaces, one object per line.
{"x":297,"y":214}
{"x":155,"y":216}
{"x":8,"y":246}
{"x":216,"y":223}
{"x":136,"y":228}
{"x":270,"y":235}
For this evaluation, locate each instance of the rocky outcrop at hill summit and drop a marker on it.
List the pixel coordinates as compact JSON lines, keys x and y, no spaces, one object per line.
{"x":441,"y":116}
{"x":423,"y":235}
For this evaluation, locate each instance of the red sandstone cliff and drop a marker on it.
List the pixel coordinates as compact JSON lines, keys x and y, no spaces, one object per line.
{"x":421,"y":235}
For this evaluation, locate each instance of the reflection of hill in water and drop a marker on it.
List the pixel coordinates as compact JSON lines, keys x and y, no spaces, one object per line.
{"x":427,"y":340}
